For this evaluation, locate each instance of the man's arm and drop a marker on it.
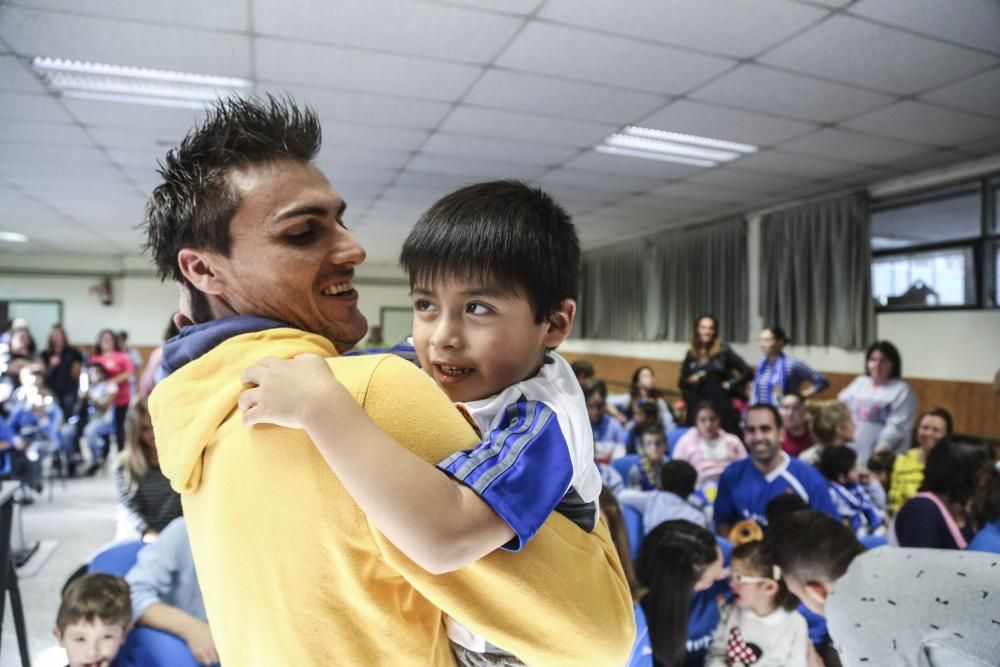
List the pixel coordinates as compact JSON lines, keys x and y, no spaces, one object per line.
{"x":391,"y":485}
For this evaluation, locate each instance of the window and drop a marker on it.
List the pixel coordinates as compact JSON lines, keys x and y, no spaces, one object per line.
{"x":937,"y":249}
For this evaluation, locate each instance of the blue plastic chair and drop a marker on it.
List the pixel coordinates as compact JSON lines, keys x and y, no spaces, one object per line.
{"x":675,"y":435}
{"x":873,"y":541}
{"x":633,"y":526}
{"x":642,"y":649}
{"x":117,"y":559}
{"x":623,"y":465}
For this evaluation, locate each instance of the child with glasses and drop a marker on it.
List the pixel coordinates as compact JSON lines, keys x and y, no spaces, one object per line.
{"x":760,"y":627}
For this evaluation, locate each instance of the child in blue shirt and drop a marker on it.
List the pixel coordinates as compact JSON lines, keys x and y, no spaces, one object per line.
{"x":840,"y":467}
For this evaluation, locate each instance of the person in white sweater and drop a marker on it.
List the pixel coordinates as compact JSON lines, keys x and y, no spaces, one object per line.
{"x":760,"y":627}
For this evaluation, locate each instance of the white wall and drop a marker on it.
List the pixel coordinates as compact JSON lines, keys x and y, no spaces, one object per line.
{"x":142,"y":304}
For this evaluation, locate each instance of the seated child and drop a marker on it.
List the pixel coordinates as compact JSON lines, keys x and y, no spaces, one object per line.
{"x":760,"y":627}
{"x":94,"y":619}
{"x":840,"y":467}
{"x":645,"y":414}
{"x":645,"y":475}
{"x":708,"y":448}
{"x":493,"y":271}
{"x":609,"y":436}
{"x":677,"y":480}
{"x":101,"y":422}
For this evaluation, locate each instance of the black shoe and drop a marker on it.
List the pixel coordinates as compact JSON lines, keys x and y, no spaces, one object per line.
{"x":92,"y":469}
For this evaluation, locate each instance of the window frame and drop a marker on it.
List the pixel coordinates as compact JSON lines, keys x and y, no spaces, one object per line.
{"x":983,"y":246}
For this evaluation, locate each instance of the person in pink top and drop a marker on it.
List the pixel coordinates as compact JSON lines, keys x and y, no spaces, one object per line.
{"x":708,"y":448}
{"x":118,"y":367}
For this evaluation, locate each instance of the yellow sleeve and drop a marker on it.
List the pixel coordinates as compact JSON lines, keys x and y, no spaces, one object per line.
{"x":563,"y":600}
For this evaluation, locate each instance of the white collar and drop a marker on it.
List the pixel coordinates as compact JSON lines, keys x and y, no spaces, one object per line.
{"x":780,"y":470}
{"x":776,"y":617}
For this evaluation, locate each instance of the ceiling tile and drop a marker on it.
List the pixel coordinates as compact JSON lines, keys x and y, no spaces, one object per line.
{"x":135,"y":139}
{"x":395,"y":26}
{"x":32,"y":33}
{"x":58,"y":134}
{"x":219,"y":14}
{"x":473,"y":168}
{"x":520,"y":7}
{"x":496,"y":149}
{"x":339,"y":133}
{"x":114,"y":115}
{"x":16,"y":77}
{"x":922,"y":123}
{"x":861,"y":53}
{"x":478,"y":121}
{"x":367,"y":108}
{"x":33,"y":108}
{"x":740,"y":28}
{"x":577,"y":199}
{"x":433,"y":181}
{"x":967,"y":22}
{"x":785,"y":94}
{"x":137,"y":157}
{"x":744,"y":181}
{"x":374,"y":178}
{"x":664,"y":203}
{"x":852,"y":147}
{"x":791,"y":164}
{"x":981,"y":148}
{"x":329,"y":66}
{"x":979,"y":94}
{"x":617,"y":164}
{"x":606,"y":182}
{"x":544,"y":48}
{"x":722,"y":123}
{"x":336,"y":158}
{"x":560,"y":98}
{"x":705,"y":192}
{"x":930,"y":160}
{"x":17,"y":154}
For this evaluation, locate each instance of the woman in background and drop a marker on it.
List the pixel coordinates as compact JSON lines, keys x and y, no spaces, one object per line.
{"x":908,"y":469}
{"x":118,"y":368}
{"x":712,"y":373}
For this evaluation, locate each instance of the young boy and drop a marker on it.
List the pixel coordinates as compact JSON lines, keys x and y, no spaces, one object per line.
{"x":645,"y":474}
{"x":677,"y":481}
{"x":493,"y":274}
{"x":94,"y":619}
{"x":840,"y":467}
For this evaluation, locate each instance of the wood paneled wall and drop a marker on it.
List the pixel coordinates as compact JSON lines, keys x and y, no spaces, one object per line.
{"x":973,"y":405}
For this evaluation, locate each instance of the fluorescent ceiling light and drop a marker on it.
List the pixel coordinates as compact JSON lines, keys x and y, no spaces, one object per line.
{"x":651,"y":144}
{"x":13,"y":237}
{"x":136,"y":85}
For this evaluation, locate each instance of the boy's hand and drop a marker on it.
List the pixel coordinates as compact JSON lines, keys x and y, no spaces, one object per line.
{"x":288,"y":392}
{"x":199,"y":640}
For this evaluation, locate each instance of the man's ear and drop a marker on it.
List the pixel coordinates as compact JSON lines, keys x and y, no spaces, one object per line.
{"x":817,"y":592}
{"x":202,"y":270}
{"x":560,"y":324}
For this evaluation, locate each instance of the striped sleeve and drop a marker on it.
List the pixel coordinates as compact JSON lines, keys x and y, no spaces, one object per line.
{"x":800,"y":372}
{"x":521,"y":469}
{"x":128,"y":501}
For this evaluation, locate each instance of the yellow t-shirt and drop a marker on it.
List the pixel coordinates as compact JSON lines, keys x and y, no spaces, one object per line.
{"x":291,"y":571}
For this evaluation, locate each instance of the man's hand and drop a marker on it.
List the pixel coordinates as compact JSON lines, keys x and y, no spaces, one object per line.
{"x":199,"y":640}
{"x":289,"y":392}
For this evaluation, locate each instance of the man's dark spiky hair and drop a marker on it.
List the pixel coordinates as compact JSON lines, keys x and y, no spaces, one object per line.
{"x":193,"y":206}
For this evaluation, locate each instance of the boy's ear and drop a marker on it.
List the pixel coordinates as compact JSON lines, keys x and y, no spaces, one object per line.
{"x":201,"y":268}
{"x":560,"y":324}
{"x":817,"y":592}
{"x":58,"y":636}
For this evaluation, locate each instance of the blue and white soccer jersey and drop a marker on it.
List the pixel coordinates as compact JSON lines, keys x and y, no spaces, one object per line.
{"x":537,"y":453}
{"x":744,"y":492}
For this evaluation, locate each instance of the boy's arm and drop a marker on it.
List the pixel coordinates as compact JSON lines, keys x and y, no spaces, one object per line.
{"x":389,"y":483}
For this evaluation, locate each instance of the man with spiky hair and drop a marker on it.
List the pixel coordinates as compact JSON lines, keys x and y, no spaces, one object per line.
{"x":291,"y":570}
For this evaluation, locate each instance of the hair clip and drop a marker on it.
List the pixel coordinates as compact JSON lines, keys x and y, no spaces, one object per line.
{"x":776,"y":572}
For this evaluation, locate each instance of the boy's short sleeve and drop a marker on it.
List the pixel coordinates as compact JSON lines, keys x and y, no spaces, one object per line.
{"x":522,"y":468}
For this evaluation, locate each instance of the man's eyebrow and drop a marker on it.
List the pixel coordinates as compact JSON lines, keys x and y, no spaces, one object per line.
{"x":316,"y":211}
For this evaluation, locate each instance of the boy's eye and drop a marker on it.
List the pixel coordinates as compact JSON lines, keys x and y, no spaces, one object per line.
{"x":422,"y":305}
{"x":474,"y":308}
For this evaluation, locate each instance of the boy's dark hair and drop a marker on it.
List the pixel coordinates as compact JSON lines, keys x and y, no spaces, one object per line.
{"x":597,"y":389}
{"x":100,"y":369}
{"x":760,"y":562}
{"x":837,"y":461}
{"x":955,"y":469}
{"x":654,"y":429}
{"x":881,"y":462}
{"x":194,"y":205}
{"x":782,"y":505}
{"x":678,"y":477}
{"x":705,"y":405}
{"x":95,"y":596}
{"x":504,"y":234}
{"x":649,"y":409}
{"x":582,"y":368}
{"x":767,"y":407}
{"x":889,"y":351}
{"x":812,"y":546}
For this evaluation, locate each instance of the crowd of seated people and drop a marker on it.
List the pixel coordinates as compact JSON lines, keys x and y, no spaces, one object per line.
{"x":863,"y":460}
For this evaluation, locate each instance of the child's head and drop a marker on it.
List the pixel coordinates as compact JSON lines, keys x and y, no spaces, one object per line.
{"x":756,"y":581}
{"x":645,"y":413}
{"x":96,"y":373}
{"x":706,"y":420}
{"x":654,"y":443}
{"x":830,"y":423}
{"x":595,"y":403}
{"x":880,"y":464}
{"x":584,"y":371}
{"x":493,"y":277}
{"x":839,"y":464}
{"x":678,"y":477}
{"x":93,"y":619}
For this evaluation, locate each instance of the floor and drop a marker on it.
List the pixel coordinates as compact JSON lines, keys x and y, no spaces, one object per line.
{"x":78,"y":520}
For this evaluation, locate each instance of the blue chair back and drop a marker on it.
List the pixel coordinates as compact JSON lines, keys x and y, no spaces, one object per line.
{"x":623,"y":465}
{"x":642,"y":649}
{"x":117,"y":559}
{"x":873,"y":541}
{"x":675,"y":435}
{"x":633,"y":526}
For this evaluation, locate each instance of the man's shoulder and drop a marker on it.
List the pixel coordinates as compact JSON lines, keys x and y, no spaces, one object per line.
{"x":803,"y":470}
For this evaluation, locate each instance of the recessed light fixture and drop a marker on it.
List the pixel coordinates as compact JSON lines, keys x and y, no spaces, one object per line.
{"x":136,"y":85}
{"x":13,"y":237}
{"x":650,"y":144}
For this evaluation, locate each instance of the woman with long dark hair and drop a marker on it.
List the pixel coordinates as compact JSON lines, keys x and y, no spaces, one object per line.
{"x":62,"y":369}
{"x":675,"y":560}
{"x":713,"y":373}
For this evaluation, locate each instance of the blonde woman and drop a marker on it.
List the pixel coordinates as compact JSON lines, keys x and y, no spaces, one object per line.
{"x":831,"y":425}
{"x":146,"y":502}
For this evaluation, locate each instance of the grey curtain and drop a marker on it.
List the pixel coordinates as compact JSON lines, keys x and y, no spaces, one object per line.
{"x":815,"y":278}
{"x":653,"y":289}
